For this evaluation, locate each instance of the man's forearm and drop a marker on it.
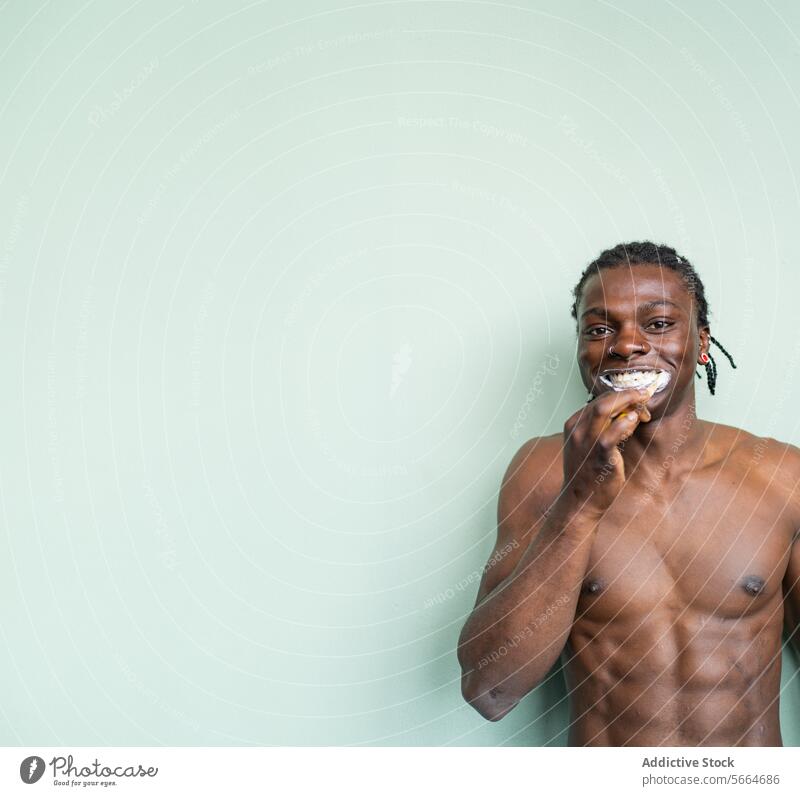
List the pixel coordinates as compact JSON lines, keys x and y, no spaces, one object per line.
{"x":513,"y":637}
{"x":791,"y":626}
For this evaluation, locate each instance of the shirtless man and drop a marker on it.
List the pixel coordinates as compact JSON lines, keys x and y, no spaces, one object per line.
{"x":658,"y":552}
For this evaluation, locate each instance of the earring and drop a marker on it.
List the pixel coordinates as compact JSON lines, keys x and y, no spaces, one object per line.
{"x":704,"y":358}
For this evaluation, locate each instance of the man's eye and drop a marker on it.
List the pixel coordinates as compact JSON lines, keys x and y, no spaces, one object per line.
{"x":601,"y":329}
{"x":664,"y":324}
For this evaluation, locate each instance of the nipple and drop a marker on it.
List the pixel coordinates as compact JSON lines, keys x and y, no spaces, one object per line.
{"x":592,"y":587}
{"x":753,"y":584}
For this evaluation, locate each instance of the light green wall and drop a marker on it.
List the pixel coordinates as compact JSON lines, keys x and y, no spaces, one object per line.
{"x":276,"y":280}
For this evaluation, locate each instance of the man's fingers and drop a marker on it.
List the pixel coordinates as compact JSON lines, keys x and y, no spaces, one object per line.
{"x":618,"y":399}
{"x":621,"y":428}
{"x":641,"y":407}
{"x":610,"y":405}
{"x":594,"y":417}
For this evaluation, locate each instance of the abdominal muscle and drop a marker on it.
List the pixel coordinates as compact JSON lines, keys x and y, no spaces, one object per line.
{"x":650,"y":687}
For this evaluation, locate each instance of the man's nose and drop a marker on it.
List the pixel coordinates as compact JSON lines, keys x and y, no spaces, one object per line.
{"x":628,"y":343}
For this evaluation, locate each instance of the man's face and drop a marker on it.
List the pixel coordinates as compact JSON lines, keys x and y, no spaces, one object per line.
{"x":639,"y":318}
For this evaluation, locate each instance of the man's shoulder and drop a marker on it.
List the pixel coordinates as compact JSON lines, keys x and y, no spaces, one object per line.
{"x":531,"y":483}
{"x":772,"y":457}
{"x":539,"y":451}
{"x":540,"y":445}
{"x":763,"y":447}
{"x":782,"y":459}
{"x":536,"y":468}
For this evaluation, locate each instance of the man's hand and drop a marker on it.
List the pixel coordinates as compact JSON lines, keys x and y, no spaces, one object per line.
{"x":594,"y":472}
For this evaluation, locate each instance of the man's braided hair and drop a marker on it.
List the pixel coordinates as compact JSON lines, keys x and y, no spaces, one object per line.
{"x":647,"y":253}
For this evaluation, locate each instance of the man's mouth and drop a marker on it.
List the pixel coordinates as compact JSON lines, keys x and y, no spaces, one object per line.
{"x":635,"y":379}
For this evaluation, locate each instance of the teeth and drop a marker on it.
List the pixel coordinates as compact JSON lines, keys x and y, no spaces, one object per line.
{"x":636,"y":378}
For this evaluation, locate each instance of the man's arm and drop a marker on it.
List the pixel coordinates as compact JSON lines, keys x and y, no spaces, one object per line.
{"x":528,"y":487}
{"x":516,"y":632}
{"x":791,"y":595}
{"x":530,"y":588}
{"x":789,"y":463}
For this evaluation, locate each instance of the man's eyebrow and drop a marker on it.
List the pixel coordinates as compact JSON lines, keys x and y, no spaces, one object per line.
{"x":646,"y":307}
{"x":595,"y":311}
{"x":651,"y":305}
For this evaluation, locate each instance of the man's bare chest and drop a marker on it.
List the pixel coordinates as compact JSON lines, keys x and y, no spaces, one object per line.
{"x":717,"y":545}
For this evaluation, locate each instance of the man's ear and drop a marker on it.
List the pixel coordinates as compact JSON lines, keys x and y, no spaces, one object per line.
{"x":705,"y":340}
